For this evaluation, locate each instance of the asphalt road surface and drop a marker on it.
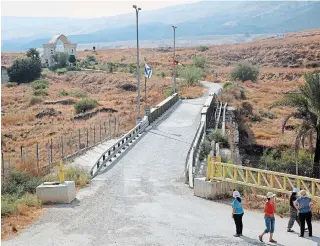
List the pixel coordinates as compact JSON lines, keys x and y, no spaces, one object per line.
{"x":143,"y":200}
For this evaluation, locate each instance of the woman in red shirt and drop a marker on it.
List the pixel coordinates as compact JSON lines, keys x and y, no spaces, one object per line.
{"x":269,"y":210}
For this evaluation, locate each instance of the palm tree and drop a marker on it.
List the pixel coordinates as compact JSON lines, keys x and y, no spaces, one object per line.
{"x":307,"y":105}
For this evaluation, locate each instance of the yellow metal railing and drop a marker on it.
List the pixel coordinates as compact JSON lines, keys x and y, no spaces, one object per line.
{"x":259,"y":178}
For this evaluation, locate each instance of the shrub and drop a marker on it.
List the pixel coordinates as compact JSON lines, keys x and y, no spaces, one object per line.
{"x":91,"y":58}
{"x":202,"y":48}
{"x":226,"y":85}
{"x":168,"y":92}
{"x":111,"y":67}
{"x":60,"y":71}
{"x":63,"y":93}
{"x":78,"y":94}
{"x":20,"y":182}
{"x":12,"y":203}
{"x":205,"y":149}
{"x":286,"y":160}
{"x":282,"y":208}
{"x":132,"y":67}
{"x":40,"y":92}
{"x":163,"y":74}
{"x":85,"y":105}
{"x":40,"y":84}
{"x":255,"y":118}
{"x":191,"y":74}
{"x":199,"y":61}
{"x":24,"y":70}
{"x":35,"y":100}
{"x":268,"y":115}
{"x":244,"y":71}
{"x":12,"y":84}
{"x":218,"y":138}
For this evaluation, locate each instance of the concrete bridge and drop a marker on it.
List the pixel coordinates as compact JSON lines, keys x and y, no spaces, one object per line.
{"x":143,"y":199}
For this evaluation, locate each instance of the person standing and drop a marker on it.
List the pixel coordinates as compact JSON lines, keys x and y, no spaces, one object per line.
{"x":293,"y":211}
{"x":237,"y":213}
{"x":269,"y":211}
{"x":302,"y":204}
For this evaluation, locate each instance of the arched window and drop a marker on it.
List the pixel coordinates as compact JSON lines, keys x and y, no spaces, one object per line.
{"x":72,"y":51}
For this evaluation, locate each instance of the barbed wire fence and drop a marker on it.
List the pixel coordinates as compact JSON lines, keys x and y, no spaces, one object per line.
{"x":43,"y":155}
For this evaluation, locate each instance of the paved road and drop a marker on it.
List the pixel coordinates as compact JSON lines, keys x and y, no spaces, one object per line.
{"x":143,"y":200}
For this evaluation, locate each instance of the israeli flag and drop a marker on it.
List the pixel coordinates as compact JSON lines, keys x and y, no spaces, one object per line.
{"x":147,"y":71}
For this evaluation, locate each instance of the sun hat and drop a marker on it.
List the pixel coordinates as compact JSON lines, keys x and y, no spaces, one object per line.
{"x":295,"y":190}
{"x":270,"y":194}
{"x":303,"y":193}
{"x":236,"y":194}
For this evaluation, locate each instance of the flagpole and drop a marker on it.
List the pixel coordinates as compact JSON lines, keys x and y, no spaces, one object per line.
{"x":174,"y":59}
{"x":145,"y":89}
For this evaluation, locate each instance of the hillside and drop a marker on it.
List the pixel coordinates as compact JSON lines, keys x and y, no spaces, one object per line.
{"x":197,"y":19}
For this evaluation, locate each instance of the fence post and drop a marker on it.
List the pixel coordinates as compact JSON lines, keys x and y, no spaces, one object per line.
{"x":87,"y":138}
{"x":94,"y":134}
{"x":61,"y":146}
{"x":100,"y":129}
{"x":48,"y":149}
{"x":21,"y":153}
{"x":51,"y":150}
{"x":2,"y":163}
{"x":115,"y":126}
{"x":105,"y":130}
{"x":37,"y":155}
{"x":79,"y":139}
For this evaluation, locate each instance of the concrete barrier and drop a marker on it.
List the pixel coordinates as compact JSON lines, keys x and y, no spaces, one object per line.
{"x":162,"y":107}
{"x":212,"y":190}
{"x":51,"y":192}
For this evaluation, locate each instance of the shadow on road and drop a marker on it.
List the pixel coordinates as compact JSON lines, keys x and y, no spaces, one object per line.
{"x":256,"y":241}
{"x":73,"y":204}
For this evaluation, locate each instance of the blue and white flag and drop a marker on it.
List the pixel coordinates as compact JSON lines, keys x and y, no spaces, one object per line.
{"x":147,"y":71}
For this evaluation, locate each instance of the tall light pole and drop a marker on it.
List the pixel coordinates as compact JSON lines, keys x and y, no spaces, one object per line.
{"x":174,"y":58}
{"x":138,"y":67}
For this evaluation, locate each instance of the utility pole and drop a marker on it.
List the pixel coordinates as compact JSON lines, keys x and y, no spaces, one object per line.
{"x":174,"y":58}
{"x":138,"y":67}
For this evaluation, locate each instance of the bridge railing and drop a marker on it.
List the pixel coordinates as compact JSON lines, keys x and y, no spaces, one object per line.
{"x":207,"y":114}
{"x":259,"y":178}
{"x":118,"y":146}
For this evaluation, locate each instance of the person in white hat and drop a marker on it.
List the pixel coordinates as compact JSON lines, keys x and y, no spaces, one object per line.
{"x":302,"y":204}
{"x":237,"y":213}
{"x":293,"y":211}
{"x":269,"y":211}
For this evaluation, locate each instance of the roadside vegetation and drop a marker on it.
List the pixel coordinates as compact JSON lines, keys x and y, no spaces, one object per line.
{"x":244,"y":71}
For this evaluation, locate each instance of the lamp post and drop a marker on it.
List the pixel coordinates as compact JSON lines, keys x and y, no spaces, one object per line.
{"x":138,"y":67}
{"x":174,"y":58}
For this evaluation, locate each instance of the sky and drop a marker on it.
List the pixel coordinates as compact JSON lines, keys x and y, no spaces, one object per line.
{"x":80,"y":9}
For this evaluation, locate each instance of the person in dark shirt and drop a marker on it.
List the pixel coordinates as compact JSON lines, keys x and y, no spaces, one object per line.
{"x":293,"y":211}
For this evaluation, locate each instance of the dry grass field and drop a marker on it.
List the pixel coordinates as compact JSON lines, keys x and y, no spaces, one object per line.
{"x":281,"y":62}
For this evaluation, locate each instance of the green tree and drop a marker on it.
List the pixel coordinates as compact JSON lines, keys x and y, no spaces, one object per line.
{"x":111,"y":67}
{"x":244,"y":71}
{"x":24,"y":70}
{"x":72,"y":59}
{"x":61,"y":59}
{"x":307,"y":105}
{"x":33,"y":53}
{"x":191,"y":74}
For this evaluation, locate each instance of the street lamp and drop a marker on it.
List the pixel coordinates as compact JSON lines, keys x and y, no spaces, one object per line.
{"x":174,"y":59}
{"x":138,"y":67}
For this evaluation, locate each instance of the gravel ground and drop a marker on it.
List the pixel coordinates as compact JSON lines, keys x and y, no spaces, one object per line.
{"x":143,"y":200}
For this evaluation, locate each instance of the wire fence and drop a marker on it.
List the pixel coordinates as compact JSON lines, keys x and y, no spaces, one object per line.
{"x":45,"y":154}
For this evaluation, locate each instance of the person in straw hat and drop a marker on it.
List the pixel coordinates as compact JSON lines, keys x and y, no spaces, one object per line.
{"x":293,"y":211}
{"x":302,"y":204}
{"x":237,"y":213}
{"x":269,"y":211}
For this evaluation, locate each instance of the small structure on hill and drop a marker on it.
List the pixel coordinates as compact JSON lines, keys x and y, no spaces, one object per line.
{"x":49,"y":49}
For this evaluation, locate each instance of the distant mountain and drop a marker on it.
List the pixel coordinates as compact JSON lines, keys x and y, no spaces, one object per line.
{"x":197,"y":19}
